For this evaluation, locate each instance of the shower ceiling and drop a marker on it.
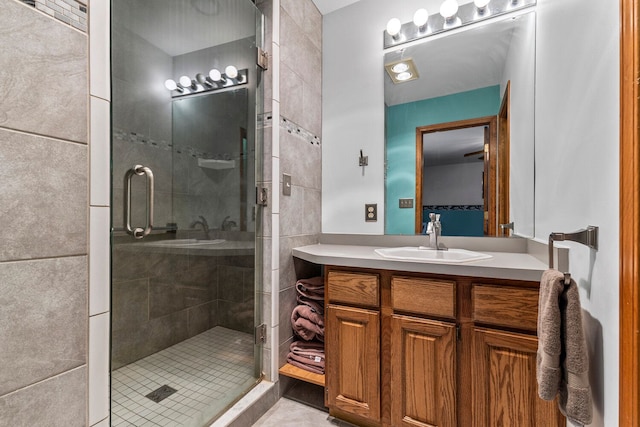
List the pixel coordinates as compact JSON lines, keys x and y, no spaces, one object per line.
{"x":177,"y":29}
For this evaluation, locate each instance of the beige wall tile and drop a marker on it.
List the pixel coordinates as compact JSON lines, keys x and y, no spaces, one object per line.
{"x":43,"y":321}
{"x":59,"y":401}
{"x":43,"y":197}
{"x":43,"y":83}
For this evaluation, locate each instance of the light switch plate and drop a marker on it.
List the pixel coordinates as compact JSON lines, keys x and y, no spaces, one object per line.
{"x":286,"y":184}
{"x":371,"y":212}
{"x":405,"y":203}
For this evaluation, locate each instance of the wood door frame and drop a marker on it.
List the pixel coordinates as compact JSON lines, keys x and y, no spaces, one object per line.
{"x":629,"y":403}
{"x":504,"y":157}
{"x":490,"y":121}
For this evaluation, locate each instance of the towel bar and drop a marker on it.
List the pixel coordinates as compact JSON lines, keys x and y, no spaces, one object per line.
{"x":588,"y":236}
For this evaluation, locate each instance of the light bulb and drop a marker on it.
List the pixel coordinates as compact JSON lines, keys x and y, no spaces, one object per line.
{"x":231,"y":72}
{"x":449,"y":8}
{"x":202,"y":80}
{"x":170,"y":84}
{"x":215,"y":75}
{"x":185,"y":81}
{"x":400,"y":67}
{"x":481,"y":4}
{"x":393,"y":27}
{"x":404,"y":76}
{"x":420,"y":18}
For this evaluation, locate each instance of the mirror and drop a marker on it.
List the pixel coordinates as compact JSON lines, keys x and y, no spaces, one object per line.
{"x":213,"y":162}
{"x":478,"y":80}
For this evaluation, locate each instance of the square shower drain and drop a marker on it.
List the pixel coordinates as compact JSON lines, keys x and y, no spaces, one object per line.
{"x":159,"y":394}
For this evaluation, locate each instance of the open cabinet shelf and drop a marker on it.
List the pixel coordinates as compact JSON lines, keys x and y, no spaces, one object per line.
{"x":291,"y":371}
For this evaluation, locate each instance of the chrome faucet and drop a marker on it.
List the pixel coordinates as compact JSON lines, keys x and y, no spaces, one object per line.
{"x":434,"y":230}
{"x":204,"y":224}
{"x":228,"y":224}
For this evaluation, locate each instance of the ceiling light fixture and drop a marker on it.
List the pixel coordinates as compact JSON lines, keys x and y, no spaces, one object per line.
{"x":402,"y":71}
{"x":400,"y":67}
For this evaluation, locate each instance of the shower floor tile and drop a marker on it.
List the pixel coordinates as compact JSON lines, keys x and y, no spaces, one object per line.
{"x":208,"y":371}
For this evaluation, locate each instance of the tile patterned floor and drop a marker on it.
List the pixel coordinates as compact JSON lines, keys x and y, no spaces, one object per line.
{"x":208,"y":371}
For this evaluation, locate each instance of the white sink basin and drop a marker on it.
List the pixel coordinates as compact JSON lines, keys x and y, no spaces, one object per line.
{"x":412,"y":253}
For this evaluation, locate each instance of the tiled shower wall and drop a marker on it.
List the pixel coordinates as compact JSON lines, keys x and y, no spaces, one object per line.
{"x":293,"y":88}
{"x":44,"y":212}
{"x":300,"y":147}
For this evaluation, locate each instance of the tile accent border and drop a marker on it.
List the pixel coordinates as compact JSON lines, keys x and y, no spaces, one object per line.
{"x":137,"y":138}
{"x":454,"y":207}
{"x":266,"y":120}
{"x":71,"y":12}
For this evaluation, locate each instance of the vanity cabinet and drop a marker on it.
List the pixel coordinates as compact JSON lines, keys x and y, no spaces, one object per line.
{"x":423,"y":381}
{"x":353,"y":373}
{"x":419,"y":350}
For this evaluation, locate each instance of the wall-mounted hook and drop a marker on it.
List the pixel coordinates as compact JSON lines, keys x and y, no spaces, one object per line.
{"x":363,"y":160}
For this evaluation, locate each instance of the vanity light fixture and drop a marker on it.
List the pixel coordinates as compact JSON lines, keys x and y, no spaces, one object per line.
{"x":204,"y":81}
{"x":171,"y":84}
{"x":420,"y":19}
{"x":186,"y":82}
{"x":481,"y":5}
{"x":231,"y":72}
{"x":216,"y":76}
{"x":402,"y":71}
{"x":393,"y":28}
{"x":451,"y":16}
{"x":215,"y":80}
{"x":448,"y":9}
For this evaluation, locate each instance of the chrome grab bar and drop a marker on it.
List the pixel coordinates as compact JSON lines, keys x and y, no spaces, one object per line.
{"x":138,"y":232}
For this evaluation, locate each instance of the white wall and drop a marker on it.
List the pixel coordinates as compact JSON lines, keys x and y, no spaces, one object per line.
{"x":577,"y":134}
{"x":455,"y":184}
{"x":353,"y":111}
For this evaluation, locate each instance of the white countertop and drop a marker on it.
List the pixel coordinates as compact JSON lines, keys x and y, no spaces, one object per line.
{"x":501,"y":265}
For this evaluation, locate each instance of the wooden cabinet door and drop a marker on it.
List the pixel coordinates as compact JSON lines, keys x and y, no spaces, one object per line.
{"x":423,"y":374}
{"x":352,"y":349}
{"x":504,"y":382}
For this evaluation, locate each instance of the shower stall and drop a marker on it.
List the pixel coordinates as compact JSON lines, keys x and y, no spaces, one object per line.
{"x":186,"y":156}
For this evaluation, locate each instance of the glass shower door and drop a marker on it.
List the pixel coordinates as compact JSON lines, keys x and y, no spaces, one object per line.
{"x":185,"y":97}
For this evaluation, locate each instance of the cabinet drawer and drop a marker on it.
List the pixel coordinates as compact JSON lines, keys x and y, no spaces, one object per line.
{"x":354,"y":288}
{"x":424,"y":296}
{"x":505,"y":306}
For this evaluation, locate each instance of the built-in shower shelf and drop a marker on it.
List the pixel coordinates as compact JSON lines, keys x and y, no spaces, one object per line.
{"x":291,"y":371}
{"x":216,"y":164}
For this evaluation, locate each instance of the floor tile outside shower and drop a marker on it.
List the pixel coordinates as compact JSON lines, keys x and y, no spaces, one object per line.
{"x":207,"y":371}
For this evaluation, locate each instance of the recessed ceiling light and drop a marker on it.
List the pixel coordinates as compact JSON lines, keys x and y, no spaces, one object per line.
{"x":402,"y":71}
{"x":400,"y":67}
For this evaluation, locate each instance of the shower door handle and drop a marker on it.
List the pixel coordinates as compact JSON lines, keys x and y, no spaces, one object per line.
{"x":138,"y":232}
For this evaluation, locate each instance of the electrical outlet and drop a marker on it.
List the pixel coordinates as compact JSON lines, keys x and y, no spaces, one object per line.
{"x":371,"y":212}
{"x":405,"y":203}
